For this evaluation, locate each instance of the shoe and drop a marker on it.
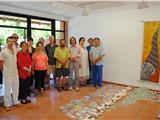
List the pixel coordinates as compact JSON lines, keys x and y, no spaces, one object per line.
{"x":28,"y":99}
{"x":98,"y":87}
{"x":65,"y":89}
{"x":158,"y":117}
{"x":7,"y":108}
{"x":59,"y":89}
{"x":77,"y":89}
{"x":17,"y":104}
{"x":23,"y":101}
{"x":41,"y":90}
{"x":46,"y":88}
{"x":70,"y":88}
{"x":36,"y":92}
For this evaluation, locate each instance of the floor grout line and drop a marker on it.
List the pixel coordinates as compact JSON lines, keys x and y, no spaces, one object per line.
{"x":142,"y":110}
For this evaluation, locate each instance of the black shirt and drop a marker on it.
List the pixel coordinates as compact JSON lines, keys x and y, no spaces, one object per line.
{"x":50,"y":53}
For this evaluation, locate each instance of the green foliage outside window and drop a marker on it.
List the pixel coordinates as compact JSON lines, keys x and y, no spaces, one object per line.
{"x":42,"y":28}
{"x":6,"y":31}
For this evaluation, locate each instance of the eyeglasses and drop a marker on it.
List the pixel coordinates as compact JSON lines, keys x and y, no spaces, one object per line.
{"x":15,"y":37}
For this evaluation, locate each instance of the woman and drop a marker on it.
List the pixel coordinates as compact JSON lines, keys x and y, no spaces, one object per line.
{"x":84,"y":65}
{"x":74,"y":63}
{"x":31,"y":50}
{"x":40,"y":66}
{"x":24,"y":70}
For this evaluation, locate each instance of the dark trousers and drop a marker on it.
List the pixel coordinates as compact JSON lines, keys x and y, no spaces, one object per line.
{"x":90,"y":74}
{"x":31,"y":80}
{"x":39,"y":77}
{"x":1,"y":77}
{"x":24,"y":88}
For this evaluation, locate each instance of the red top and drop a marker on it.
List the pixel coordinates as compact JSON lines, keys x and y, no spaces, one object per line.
{"x":23,"y":60}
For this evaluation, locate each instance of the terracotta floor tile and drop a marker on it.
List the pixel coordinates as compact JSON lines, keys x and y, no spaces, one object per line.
{"x":47,"y":108}
{"x":150,"y":111}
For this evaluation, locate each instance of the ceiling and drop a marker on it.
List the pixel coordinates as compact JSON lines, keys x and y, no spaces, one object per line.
{"x":70,"y":9}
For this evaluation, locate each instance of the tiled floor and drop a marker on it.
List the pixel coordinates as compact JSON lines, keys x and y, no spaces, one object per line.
{"x":47,"y":108}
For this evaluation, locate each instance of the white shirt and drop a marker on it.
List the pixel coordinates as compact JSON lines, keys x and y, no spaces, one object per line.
{"x":75,"y":52}
{"x":17,"y":48}
{"x":9,"y":63}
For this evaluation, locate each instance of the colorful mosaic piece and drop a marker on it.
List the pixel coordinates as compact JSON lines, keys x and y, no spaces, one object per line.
{"x":140,"y":94}
{"x":92,"y":106}
{"x":104,"y":99}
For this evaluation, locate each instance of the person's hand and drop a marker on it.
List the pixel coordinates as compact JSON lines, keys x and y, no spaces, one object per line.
{"x":1,"y":65}
{"x":1,"y":68}
{"x":29,"y":70}
{"x":71,"y":58}
{"x":80,"y":65}
{"x":33,"y":72}
{"x":96,"y":61}
{"x":28,"y":74}
{"x":74,"y":59}
{"x":65,"y":62}
{"x":93,"y":62}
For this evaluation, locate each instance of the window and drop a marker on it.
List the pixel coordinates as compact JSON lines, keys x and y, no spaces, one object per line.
{"x":40,"y":29}
{"x":5,"y":32}
{"x":27,"y":26}
{"x":59,"y":25}
{"x":13,"y":21}
{"x":36,"y":34}
{"x":59,"y":30}
{"x":59,"y":35}
{"x":10,"y":25}
{"x":40,"y":24}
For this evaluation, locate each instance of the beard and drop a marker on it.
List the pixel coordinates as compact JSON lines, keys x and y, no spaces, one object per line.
{"x":62,"y":46}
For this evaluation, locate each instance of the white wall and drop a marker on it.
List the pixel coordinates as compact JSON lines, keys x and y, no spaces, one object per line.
{"x":34,"y":12}
{"x":122,"y":35}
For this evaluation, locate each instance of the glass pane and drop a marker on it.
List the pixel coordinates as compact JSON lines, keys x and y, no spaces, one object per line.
{"x":13,"y":21}
{"x":36,"y":34}
{"x":59,"y":35}
{"x":40,"y":24}
{"x":59,"y":25}
{"x":5,"y":32}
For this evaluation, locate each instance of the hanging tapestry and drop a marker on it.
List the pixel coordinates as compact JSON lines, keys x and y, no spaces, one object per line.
{"x":150,"y":70}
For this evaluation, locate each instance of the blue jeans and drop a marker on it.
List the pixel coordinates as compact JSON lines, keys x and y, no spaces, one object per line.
{"x":97,"y":74}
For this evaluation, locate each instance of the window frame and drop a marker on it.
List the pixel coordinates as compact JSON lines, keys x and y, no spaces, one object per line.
{"x":28,"y":27}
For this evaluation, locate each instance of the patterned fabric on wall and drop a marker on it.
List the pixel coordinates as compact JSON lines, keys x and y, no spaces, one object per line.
{"x":150,"y":70}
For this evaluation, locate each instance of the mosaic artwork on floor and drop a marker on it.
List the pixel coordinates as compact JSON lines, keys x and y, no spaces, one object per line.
{"x":104,"y":99}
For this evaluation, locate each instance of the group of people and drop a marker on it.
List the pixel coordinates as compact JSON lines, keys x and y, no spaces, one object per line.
{"x":71,"y":67}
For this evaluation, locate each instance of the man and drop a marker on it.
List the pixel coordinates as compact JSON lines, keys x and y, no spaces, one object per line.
{"x":42,"y":41}
{"x":15,"y":40}
{"x":96,"y":57}
{"x":62,"y":55}
{"x":90,"y":42}
{"x":1,"y":76}
{"x":11,"y":80}
{"x":50,"y":48}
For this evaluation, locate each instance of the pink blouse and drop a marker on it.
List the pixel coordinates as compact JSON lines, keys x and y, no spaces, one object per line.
{"x":39,"y":61}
